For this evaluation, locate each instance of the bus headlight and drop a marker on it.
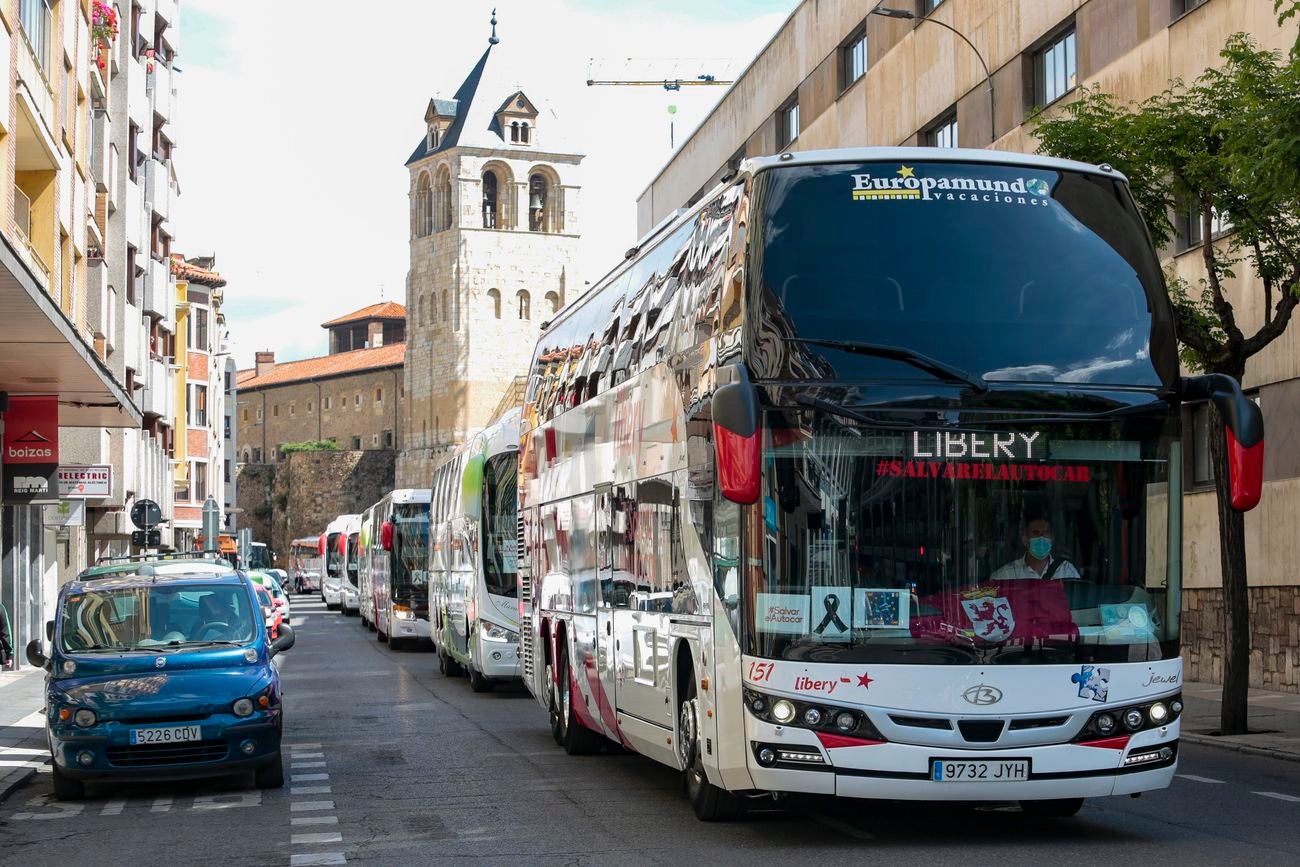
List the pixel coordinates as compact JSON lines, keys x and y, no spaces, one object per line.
{"x":492,"y":632}
{"x":812,"y":717}
{"x":402,"y":612}
{"x":1158,"y":713}
{"x":783,"y":711}
{"x":1133,"y":719}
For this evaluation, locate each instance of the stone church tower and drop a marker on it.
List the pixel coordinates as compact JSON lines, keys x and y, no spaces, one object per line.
{"x":494,"y":237}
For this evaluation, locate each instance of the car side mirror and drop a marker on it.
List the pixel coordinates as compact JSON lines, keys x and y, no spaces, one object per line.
{"x":49,"y":630}
{"x":1243,"y":429}
{"x":284,"y":641}
{"x":36,"y":654}
{"x":737,"y":437}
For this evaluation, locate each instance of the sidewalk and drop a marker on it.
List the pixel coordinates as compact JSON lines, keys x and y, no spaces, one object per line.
{"x":1276,"y":715}
{"x":23,"y":748}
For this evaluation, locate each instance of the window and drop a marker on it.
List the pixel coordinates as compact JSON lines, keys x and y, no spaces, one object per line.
{"x":356,"y":399}
{"x":1190,"y":228}
{"x":423,"y":207}
{"x":1182,"y":7}
{"x":928,"y":6}
{"x":444,"y":199}
{"x":388,"y":439}
{"x":523,"y":133}
{"x":787,"y":123}
{"x":374,"y":441}
{"x":199,"y":480}
{"x":199,"y":416}
{"x":455,"y":311}
{"x":494,"y":298}
{"x":356,"y":444}
{"x":275,"y":411}
{"x":1055,"y":69}
{"x":379,"y":395}
{"x":489,"y":200}
{"x":293,"y":408}
{"x":446,"y":312}
{"x":227,"y":471}
{"x":37,"y":24}
{"x":327,"y":402}
{"x":538,"y":203}
{"x":944,"y":133}
{"x":853,"y":58}
{"x":259,"y":413}
{"x":424,"y":310}
{"x":257,"y":456}
{"x":514,"y":131}
{"x":310,"y":407}
{"x":243,"y":414}
{"x":525,"y":304}
{"x":552,"y":302}
{"x":134,"y":158}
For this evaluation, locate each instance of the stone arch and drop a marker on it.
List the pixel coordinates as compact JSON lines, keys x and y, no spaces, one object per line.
{"x":552,"y":302}
{"x":423,"y":222}
{"x":545,"y":200}
{"x":444,"y":199}
{"x":494,"y":298}
{"x":505,"y":204}
{"x":525,"y":303}
{"x":523,"y":132}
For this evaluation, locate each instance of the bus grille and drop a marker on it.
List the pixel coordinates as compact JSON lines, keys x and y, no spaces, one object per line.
{"x":526,"y":600}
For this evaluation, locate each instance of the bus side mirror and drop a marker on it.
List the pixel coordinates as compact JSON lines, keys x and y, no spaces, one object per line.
{"x":322,"y":544}
{"x":386,"y":536}
{"x":1244,"y":431}
{"x":738,"y":437}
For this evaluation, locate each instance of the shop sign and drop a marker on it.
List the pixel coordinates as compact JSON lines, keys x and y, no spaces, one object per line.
{"x":86,"y":482}
{"x":31,"y":485}
{"x":68,"y":513}
{"x":32,"y":429}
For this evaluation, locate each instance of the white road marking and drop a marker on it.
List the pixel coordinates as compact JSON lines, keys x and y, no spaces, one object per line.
{"x":62,"y":810}
{"x":313,"y":764}
{"x":314,"y":820}
{"x":310,"y":806}
{"x":161,"y":804}
{"x":309,"y":790}
{"x":309,"y":755}
{"x":312,"y":860}
{"x":1196,"y":779}
{"x":307,"y":778}
{"x":308,"y":839}
{"x":226,"y":801}
{"x":303,"y":746}
{"x":113,"y":808}
{"x":1278,"y":796}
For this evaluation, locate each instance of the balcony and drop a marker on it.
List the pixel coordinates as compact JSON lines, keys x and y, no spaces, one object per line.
{"x":167,"y":12}
{"x":137,"y":95}
{"x":133,"y":335}
{"x":34,"y":35}
{"x":159,"y":295}
{"x":158,"y":397}
{"x":135,"y":216}
{"x":157,"y":186}
{"x":160,"y":88}
{"x":101,"y":150}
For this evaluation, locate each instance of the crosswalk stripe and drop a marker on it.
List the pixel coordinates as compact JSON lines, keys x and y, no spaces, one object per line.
{"x":1196,"y":779}
{"x":314,"y":820}
{"x":313,"y":860}
{"x":310,"y":839}
{"x":308,"y":778}
{"x":113,"y":808}
{"x":310,"y":806}
{"x":1278,"y":796}
{"x":309,"y":790}
{"x":296,"y":765}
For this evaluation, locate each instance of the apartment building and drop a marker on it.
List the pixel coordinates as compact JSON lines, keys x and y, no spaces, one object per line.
{"x":836,"y":75}
{"x":58,"y":386}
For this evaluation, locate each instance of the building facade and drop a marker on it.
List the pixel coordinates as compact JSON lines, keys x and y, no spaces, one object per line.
{"x":835,"y":75}
{"x":353,"y":396}
{"x":59,"y":385}
{"x":494,"y":232}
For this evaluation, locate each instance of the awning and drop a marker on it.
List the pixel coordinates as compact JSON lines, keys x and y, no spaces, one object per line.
{"x":41,"y":352}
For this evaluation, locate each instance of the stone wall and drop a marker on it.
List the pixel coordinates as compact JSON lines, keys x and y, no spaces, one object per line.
{"x":1275,"y":636}
{"x":302,"y":493}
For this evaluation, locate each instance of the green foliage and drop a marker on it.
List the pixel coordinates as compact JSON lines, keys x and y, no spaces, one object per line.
{"x":1227,"y":146}
{"x":310,"y":446}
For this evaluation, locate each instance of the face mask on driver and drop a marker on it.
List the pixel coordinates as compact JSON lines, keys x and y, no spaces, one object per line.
{"x":1040,"y":546}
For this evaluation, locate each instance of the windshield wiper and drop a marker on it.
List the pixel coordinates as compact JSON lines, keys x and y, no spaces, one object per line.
{"x":197,"y":643}
{"x":934,"y":366}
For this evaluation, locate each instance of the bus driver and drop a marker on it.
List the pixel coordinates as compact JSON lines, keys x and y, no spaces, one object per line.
{"x":1037,"y":561}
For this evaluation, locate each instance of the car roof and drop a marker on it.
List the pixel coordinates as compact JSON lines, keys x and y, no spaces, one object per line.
{"x":145,"y":576}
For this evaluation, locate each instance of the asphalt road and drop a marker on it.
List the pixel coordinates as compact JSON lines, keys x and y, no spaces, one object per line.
{"x":391,"y":764}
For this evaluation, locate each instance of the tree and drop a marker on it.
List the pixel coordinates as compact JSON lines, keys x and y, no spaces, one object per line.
{"x":1227,"y":150}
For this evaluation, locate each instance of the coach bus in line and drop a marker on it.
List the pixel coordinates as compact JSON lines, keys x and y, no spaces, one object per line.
{"x":473,"y":594}
{"x":396,"y":554}
{"x":337,"y":583}
{"x":365,"y":584}
{"x":863,"y":477}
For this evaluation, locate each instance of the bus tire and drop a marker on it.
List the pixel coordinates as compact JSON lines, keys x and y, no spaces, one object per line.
{"x":396,"y":644}
{"x":711,"y":803}
{"x":479,"y":683}
{"x":576,"y":740}
{"x":553,"y":705}
{"x":1053,"y":808}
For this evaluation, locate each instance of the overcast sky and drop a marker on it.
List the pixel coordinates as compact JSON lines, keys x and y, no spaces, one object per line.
{"x":294,"y":120}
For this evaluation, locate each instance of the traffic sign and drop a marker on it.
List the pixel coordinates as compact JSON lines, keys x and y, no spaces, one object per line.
{"x":146,"y":514}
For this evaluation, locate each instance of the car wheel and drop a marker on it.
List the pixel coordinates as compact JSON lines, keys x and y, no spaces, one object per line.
{"x":271,"y":776}
{"x":66,"y":788}
{"x":1054,"y":808}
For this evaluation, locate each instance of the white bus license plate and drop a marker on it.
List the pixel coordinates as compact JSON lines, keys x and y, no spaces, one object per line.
{"x":172,"y":735}
{"x":981,"y":771}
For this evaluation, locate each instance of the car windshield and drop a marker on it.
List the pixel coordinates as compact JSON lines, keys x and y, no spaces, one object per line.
{"x":154,"y":616}
{"x":995,"y":543}
{"x":1009,"y":273}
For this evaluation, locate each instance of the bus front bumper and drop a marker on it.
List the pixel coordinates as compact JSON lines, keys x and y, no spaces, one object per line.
{"x":416,"y":629}
{"x":894,"y":771}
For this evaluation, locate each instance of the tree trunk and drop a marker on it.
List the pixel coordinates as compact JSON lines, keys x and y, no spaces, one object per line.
{"x":1236,"y":600}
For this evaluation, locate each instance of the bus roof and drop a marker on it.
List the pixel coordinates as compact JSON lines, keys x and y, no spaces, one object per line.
{"x":410,"y":495}
{"x":754,"y":165}
{"x":343,"y":524}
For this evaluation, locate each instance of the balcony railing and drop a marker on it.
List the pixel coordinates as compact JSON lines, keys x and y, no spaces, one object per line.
{"x":35,"y":17}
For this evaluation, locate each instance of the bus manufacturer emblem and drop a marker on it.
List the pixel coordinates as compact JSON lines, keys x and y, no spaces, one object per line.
{"x":983,"y":694}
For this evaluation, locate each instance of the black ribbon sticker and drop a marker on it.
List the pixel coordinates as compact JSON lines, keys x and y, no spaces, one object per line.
{"x":831,"y":602}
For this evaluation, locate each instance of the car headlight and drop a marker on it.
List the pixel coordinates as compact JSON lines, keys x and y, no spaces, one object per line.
{"x":85,"y":718}
{"x":402,"y":612}
{"x":492,"y":632}
{"x":242,"y":707}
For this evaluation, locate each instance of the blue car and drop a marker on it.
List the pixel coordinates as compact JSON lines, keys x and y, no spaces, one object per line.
{"x":161,"y":674}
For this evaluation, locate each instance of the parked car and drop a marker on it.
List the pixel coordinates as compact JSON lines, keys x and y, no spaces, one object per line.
{"x":161,"y":675}
{"x":278,"y":594}
{"x":271,"y":615}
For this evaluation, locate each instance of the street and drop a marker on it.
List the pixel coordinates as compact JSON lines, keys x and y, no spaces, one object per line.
{"x":390,"y":763}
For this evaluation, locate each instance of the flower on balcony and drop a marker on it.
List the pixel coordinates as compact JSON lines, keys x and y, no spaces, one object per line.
{"x":103,"y":31}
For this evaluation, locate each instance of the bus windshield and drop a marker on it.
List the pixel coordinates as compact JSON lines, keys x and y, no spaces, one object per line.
{"x":410,"y":561}
{"x":333,"y":558}
{"x":499,"y":526}
{"x":985,"y":543}
{"x":259,"y":556}
{"x":1009,"y":273}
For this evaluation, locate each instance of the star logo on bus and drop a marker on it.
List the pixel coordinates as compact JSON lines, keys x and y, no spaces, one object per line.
{"x":865,"y":681}
{"x":906,"y":172}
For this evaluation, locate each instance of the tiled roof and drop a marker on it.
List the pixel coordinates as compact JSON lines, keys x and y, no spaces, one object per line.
{"x":339,"y":364}
{"x":382,"y":310}
{"x":194,"y":274}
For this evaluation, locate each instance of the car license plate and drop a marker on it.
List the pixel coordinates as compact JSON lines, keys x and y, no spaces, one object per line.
{"x":172,"y":735}
{"x":979,"y":771}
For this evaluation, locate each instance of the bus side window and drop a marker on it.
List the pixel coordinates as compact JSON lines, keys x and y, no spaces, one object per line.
{"x":582,"y":555}
{"x":618,"y":580}
{"x":654,"y":556}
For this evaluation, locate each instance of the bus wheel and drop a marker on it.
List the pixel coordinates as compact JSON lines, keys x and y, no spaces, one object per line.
{"x":1056,"y":808}
{"x":711,"y":803}
{"x":479,"y":683}
{"x":396,"y":644}
{"x":576,"y":740}
{"x":553,"y":705}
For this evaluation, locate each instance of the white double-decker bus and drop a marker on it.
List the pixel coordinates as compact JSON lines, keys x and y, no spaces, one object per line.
{"x":863,"y":477}
{"x":473,"y":592}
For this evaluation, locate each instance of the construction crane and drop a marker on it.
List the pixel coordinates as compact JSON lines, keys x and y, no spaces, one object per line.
{"x":669,"y":83}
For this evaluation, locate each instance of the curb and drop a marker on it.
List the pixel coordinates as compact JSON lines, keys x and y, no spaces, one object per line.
{"x":15,"y":781}
{"x":1247,"y":749}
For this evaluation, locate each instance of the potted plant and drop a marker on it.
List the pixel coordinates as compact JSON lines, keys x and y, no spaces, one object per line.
{"x":103,"y":31}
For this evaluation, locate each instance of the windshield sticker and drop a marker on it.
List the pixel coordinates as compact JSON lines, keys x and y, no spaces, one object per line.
{"x":883,"y":608}
{"x":832,"y":609}
{"x":983,"y":472}
{"x":992,"y":446}
{"x":904,"y":184}
{"x":1126,"y":621}
{"x":990,"y":616}
{"x":785,"y":613}
{"x":1094,"y":683}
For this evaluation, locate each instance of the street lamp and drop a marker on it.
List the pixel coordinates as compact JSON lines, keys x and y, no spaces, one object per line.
{"x":907,"y":14}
